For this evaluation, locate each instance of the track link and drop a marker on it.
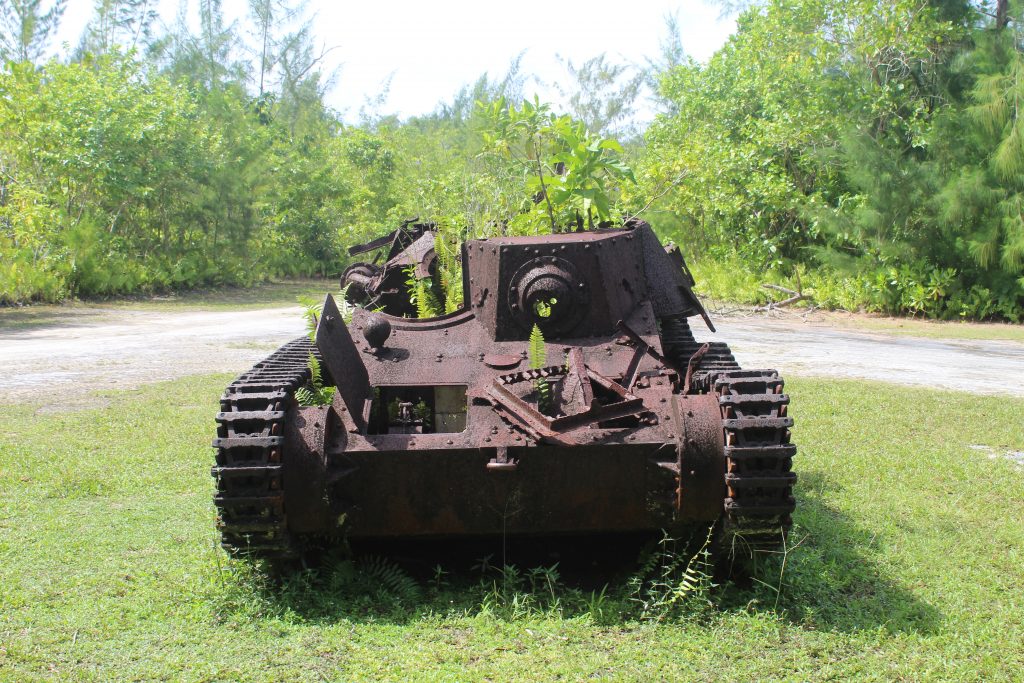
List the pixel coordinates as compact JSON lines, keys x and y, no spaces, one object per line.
{"x":251,"y":512}
{"x":759,"y":456}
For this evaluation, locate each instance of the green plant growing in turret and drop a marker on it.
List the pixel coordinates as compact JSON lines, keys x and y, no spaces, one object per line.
{"x":420,"y":295}
{"x":315,"y":394}
{"x":570,"y":177}
{"x":449,"y":270}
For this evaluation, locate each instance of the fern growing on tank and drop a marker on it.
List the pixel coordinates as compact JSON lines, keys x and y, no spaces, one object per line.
{"x":450,"y":271}
{"x":315,"y":393}
{"x":538,"y":356}
{"x":420,"y":295}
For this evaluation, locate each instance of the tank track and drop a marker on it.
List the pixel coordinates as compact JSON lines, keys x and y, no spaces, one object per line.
{"x":759,"y":456}
{"x":251,"y":513}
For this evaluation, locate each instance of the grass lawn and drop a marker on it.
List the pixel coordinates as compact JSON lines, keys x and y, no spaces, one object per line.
{"x":909,"y":565}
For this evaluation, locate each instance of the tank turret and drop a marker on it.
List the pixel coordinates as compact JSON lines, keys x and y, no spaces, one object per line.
{"x":573,"y":284}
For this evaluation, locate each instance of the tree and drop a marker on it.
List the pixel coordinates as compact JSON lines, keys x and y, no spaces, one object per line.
{"x":672,"y":55}
{"x":26,"y":30}
{"x":601,"y":94}
{"x":206,"y":58}
{"x":285,"y":53}
{"x":757,"y":135}
{"x":115,"y":24}
{"x":263,"y":14}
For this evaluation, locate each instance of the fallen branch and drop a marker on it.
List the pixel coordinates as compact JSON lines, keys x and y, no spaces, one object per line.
{"x":795,"y":296}
{"x":778,"y":288}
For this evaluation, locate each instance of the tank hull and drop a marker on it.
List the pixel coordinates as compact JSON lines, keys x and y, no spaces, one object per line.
{"x":407,"y":487}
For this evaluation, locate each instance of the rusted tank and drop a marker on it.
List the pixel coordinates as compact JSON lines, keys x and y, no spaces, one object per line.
{"x":448,"y":427}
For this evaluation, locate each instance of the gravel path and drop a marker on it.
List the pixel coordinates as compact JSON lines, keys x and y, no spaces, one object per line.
{"x":795,"y":348}
{"x":109,"y":348}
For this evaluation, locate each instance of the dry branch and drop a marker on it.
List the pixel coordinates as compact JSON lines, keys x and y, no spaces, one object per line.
{"x":772,"y":305}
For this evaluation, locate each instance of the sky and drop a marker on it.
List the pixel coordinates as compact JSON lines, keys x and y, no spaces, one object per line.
{"x":429,"y":49}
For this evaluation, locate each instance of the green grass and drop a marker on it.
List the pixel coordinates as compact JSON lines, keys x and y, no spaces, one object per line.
{"x":911,"y":547}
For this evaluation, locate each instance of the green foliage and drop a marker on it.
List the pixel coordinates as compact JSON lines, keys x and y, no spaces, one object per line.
{"x":602,"y":94}
{"x":674,"y":578}
{"x":420,"y":293}
{"x":449,"y":269}
{"x":571,"y":175}
{"x":875,"y":147}
{"x":537,"y":357}
{"x":25,"y":28}
{"x":515,"y":594}
{"x":311,"y":310}
{"x":544,"y":308}
{"x":390,"y":577}
{"x":117,"y":179}
{"x":728,"y":278}
{"x":537,"y":349}
{"x":117,"y":24}
{"x":315,"y":393}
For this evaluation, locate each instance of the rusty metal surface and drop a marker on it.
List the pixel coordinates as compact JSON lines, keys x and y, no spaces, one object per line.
{"x":700,"y":456}
{"x":382,"y":285}
{"x":440,"y":428}
{"x":249,"y":471}
{"x":341,"y":359}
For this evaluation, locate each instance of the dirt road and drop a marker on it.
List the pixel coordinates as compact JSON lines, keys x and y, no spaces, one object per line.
{"x":82,"y":350}
{"x":94,"y":349}
{"x":795,"y":348}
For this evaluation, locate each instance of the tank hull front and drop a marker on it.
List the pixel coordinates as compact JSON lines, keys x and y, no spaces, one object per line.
{"x":445,"y":485}
{"x":454,"y":493}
